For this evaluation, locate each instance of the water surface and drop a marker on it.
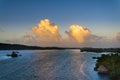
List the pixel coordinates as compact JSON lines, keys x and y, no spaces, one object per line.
{"x":49,"y":65}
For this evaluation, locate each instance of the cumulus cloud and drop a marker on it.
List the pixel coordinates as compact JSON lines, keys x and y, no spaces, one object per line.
{"x":46,"y":31}
{"x":78,"y":33}
{"x":99,"y":41}
{"x":47,"y":34}
{"x":118,"y":36}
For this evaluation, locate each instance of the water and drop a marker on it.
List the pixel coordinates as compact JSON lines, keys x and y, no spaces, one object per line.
{"x":49,"y":65}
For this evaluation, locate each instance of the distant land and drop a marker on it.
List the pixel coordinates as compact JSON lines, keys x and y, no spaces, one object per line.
{"x":6,"y":46}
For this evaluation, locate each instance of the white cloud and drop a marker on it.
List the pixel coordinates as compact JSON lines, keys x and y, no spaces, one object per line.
{"x":47,"y":34}
{"x":78,"y":33}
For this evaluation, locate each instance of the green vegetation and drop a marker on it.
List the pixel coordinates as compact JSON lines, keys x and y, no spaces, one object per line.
{"x":111,"y":62}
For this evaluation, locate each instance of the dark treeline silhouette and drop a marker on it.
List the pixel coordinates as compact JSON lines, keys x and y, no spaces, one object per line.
{"x":5,"y":46}
{"x":100,"y":49}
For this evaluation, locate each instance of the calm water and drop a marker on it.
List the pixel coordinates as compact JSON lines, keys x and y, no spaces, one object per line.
{"x":49,"y":65}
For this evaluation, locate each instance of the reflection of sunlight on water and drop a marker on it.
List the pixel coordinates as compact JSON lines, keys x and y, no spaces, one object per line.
{"x":49,"y":65}
{"x":105,"y":52}
{"x":82,"y":70}
{"x":78,"y":63}
{"x":75,"y":50}
{"x":4,"y":57}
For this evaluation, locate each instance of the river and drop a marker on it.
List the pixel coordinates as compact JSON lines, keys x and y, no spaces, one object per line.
{"x":49,"y":65}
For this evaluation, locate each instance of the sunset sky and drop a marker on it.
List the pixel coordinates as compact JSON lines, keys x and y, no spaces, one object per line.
{"x":66,"y":23}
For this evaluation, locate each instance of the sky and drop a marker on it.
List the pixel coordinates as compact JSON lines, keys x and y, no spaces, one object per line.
{"x":66,"y":23}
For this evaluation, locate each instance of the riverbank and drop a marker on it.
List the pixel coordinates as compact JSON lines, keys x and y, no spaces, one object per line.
{"x":109,"y":64}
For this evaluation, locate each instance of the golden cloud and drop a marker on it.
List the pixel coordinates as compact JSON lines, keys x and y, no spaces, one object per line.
{"x":47,"y":31}
{"x":47,"y":34}
{"x":78,"y":33}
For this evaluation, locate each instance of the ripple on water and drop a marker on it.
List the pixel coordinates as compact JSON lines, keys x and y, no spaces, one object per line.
{"x":4,"y":57}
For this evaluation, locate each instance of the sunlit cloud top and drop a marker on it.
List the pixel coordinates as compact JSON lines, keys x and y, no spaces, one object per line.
{"x":47,"y":34}
{"x":78,"y":33}
{"x":46,"y":31}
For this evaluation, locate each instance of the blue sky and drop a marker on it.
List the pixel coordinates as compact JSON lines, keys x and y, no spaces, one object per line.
{"x":17,"y":17}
